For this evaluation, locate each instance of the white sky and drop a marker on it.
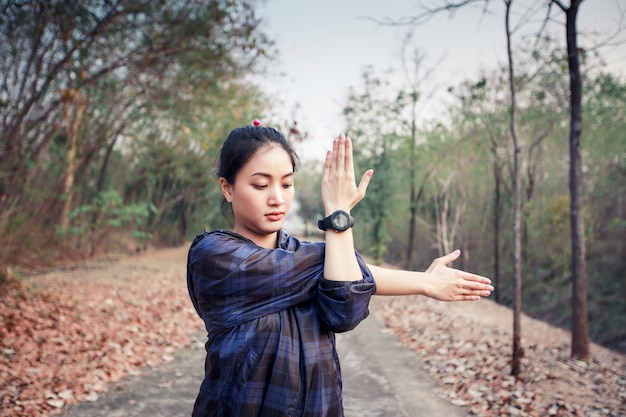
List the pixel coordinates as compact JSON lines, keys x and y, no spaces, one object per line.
{"x":325,"y":45}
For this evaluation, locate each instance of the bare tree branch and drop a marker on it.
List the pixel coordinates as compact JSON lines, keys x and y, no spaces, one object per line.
{"x":560,"y":4}
{"x":429,"y":12}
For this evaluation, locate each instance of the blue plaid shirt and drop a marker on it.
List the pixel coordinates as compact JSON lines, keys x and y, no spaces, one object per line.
{"x":271,"y":319}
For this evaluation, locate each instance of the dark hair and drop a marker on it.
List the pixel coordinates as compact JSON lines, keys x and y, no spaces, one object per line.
{"x":241,"y":144}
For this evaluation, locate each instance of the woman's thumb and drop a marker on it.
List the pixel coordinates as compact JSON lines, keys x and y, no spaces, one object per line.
{"x":365,"y":181}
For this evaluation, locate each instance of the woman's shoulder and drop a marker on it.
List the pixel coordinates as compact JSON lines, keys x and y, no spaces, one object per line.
{"x":218,"y":241}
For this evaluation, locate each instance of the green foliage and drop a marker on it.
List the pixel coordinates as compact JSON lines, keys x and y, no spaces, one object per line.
{"x":107,"y":211}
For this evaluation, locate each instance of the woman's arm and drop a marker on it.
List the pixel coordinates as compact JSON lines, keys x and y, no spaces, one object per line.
{"x":438,"y":281}
{"x":339,"y":192}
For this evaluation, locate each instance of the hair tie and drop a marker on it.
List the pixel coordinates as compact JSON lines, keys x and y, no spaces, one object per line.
{"x":256,"y":122}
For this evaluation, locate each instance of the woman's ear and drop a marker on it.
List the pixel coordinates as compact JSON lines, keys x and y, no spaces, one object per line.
{"x":227,"y":189}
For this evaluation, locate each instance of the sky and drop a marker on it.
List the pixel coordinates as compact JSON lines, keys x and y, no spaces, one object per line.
{"x":324,"y":46}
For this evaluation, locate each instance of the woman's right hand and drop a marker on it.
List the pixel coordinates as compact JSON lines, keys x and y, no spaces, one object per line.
{"x":339,"y":190}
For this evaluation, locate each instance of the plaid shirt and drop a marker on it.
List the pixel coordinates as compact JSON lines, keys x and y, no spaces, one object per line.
{"x":271,"y":319}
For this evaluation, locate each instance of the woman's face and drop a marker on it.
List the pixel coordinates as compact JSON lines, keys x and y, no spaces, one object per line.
{"x":262,"y":195}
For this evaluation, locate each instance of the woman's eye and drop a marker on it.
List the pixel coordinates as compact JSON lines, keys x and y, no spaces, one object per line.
{"x":287,"y":185}
{"x":259,"y":186}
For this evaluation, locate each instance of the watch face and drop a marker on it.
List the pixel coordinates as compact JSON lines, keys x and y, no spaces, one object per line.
{"x":341,"y":220}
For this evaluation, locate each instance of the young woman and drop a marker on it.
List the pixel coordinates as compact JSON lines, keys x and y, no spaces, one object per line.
{"x":272,"y":304}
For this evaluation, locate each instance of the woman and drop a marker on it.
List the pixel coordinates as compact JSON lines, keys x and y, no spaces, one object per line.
{"x":272,"y":304}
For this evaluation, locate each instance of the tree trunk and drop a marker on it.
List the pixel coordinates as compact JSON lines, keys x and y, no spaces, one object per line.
{"x":580,"y":331}
{"x":99,"y":188}
{"x":183,"y":223}
{"x":518,"y":352}
{"x":72,"y":127}
{"x":441,"y":215}
{"x":413,"y":199}
{"x":497,"y":207}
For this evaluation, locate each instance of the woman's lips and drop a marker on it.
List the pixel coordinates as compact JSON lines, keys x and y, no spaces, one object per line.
{"x":274,"y":217}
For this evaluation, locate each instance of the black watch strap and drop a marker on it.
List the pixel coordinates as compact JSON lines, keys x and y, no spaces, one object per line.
{"x":338,"y":220}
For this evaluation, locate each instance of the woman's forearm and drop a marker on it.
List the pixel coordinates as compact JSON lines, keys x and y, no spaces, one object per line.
{"x":340,"y":262}
{"x":398,"y":282}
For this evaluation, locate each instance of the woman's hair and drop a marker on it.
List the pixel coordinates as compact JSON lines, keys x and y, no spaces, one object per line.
{"x":241,"y":145}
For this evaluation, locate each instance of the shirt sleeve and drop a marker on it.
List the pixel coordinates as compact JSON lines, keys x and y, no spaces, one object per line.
{"x":344,"y":304}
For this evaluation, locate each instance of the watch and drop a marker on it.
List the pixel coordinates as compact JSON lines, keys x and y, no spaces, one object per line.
{"x":338,"y":221}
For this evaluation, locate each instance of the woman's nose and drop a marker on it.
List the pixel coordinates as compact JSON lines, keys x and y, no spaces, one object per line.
{"x":276,"y":197}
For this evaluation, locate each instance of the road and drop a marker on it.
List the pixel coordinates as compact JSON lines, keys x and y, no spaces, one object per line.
{"x":381,"y":379}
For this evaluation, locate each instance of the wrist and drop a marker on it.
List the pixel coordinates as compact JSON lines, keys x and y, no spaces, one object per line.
{"x":337,"y":220}
{"x":427,"y":287}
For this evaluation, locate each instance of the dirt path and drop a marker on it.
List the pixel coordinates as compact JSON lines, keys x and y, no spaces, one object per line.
{"x":381,"y":378}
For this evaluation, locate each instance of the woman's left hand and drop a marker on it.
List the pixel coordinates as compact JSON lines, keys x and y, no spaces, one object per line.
{"x":448,"y":284}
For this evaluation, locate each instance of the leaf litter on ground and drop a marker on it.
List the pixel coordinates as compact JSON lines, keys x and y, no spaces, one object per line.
{"x":467,"y":348}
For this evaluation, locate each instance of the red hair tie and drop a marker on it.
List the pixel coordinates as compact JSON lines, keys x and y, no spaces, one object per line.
{"x":256,"y":122}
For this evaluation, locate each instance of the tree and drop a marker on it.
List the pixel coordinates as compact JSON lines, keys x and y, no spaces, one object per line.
{"x":580,"y":327}
{"x":133,"y":72}
{"x":518,"y":351}
{"x":73,"y":126}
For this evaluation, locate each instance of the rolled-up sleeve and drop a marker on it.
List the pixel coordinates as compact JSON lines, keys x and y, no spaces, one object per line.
{"x":344,"y":304}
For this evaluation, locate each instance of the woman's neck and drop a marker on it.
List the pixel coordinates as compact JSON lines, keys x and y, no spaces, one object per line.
{"x":269,"y":241}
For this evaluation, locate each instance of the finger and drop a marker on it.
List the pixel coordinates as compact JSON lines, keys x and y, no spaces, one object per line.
{"x":349,"y":164}
{"x":475,"y":278}
{"x":451,"y":257}
{"x":365,"y":181}
{"x":473,"y":294}
{"x":469,"y":298}
{"x":475,"y":286}
{"x":480,"y":290}
{"x":341,"y":153}
{"x":333,"y":164}
{"x":327,"y":163}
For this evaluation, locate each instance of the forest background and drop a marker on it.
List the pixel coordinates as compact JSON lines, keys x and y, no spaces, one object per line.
{"x":112,"y":114}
